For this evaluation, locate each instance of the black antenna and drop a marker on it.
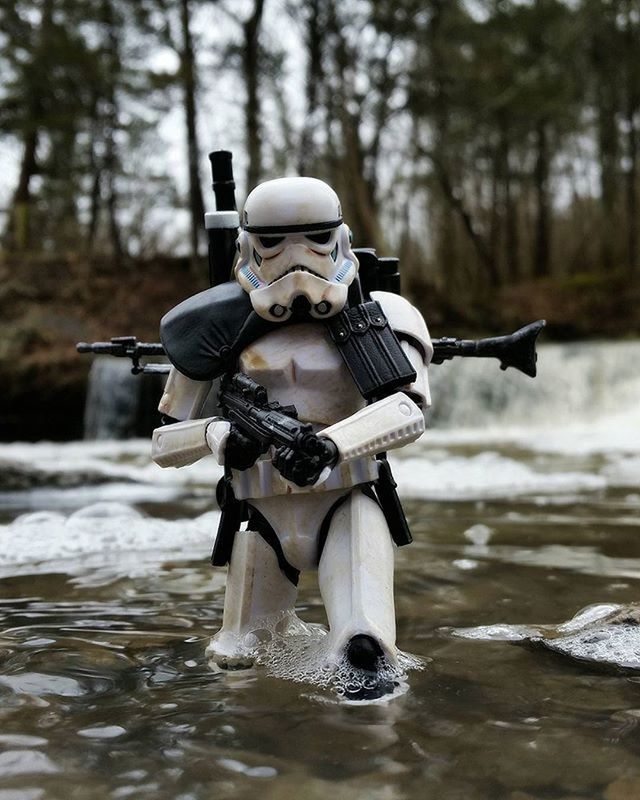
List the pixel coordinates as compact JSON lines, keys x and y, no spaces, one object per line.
{"x":222,"y":224}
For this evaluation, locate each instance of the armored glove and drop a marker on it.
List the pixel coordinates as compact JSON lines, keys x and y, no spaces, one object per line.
{"x":305,"y":468}
{"x":241,"y":451}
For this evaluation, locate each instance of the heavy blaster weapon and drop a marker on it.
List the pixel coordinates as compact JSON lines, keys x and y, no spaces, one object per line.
{"x":517,"y":350}
{"x":245,"y":404}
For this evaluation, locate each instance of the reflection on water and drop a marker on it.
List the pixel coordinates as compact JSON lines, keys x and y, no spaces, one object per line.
{"x":106,"y":610}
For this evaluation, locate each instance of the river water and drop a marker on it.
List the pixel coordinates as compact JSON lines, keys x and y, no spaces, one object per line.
{"x":524,"y":500}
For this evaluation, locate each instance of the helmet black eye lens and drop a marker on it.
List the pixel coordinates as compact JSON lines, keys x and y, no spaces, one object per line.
{"x":270,"y":241}
{"x":320,"y":238}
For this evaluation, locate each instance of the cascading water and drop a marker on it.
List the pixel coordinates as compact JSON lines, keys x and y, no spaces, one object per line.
{"x":120,"y":405}
{"x":575,"y":382}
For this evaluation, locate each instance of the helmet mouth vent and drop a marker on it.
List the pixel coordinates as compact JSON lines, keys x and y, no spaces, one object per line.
{"x":300,"y":305}
{"x":297,"y":268}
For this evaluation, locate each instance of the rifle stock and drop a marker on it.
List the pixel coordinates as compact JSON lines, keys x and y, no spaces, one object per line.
{"x":517,"y":350}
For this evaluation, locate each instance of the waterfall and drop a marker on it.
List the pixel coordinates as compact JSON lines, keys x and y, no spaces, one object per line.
{"x":120,"y":405}
{"x":576,"y":382}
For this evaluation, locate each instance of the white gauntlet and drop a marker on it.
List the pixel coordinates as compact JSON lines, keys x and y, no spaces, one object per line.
{"x":384,"y":425}
{"x":217,"y":434}
{"x":186,"y":442}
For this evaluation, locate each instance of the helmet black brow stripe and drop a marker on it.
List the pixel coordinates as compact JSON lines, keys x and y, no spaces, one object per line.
{"x":309,"y":227}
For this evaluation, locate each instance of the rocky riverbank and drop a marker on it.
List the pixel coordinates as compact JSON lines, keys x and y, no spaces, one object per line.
{"x":46,"y":306}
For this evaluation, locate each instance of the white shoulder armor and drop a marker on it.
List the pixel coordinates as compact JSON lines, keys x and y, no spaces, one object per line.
{"x":409,"y":326}
{"x":183,"y":398}
{"x":406,"y":322}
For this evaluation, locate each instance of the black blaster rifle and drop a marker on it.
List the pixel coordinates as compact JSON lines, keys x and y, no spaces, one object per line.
{"x":128,"y":347}
{"x":245,"y":403}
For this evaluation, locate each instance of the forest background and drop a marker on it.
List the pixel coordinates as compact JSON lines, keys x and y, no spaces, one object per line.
{"x":491,"y":144}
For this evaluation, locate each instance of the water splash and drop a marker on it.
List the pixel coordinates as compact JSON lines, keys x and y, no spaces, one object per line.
{"x":293,"y":650}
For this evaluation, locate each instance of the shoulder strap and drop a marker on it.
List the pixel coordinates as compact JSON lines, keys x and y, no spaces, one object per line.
{"x":371,"y":350}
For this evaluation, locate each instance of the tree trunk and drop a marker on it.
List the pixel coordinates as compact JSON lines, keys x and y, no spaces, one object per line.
{"x":189,"y":84}
{"x":250,"y":69}
{"x":457,"y":206}
{"x":632,"y":108}
{"x":313,"y":81}
{"x":512,"y":239}
{"x":20,"y":237}
{"x":632,"y":196}
{"x":111,"y":157}
{"x":542,"y":246}
{"x":358,"y":192}
{"x":95,"y":170}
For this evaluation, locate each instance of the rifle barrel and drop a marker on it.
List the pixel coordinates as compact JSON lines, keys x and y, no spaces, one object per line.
{"x":121,"y":348}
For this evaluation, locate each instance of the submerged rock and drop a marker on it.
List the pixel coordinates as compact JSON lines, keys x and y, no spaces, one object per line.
{"x":603,"y":634}
{"x":19,"y":476}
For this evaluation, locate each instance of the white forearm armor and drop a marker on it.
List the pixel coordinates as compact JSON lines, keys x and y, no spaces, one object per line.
{"x":189,"y":439}
{"x":185,"y":442}
{"x":389,"y":423}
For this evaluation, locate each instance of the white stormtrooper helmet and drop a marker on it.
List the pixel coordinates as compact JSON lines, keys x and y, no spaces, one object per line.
{"x":294,"y":244}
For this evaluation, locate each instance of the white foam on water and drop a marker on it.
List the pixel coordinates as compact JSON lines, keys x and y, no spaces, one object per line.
{"x":606,"y":634}
{"x":478,"y":534}
{"x":42,"y":541}
{"x":585,"y":560}
{"x":486,"y":475}
{"x":84,"y":495}
{"x":293,"y":650}
{"x":426,"y":470}
{"x":623,"y":473}
{"x":617,"y":645}
{"x":496,"y":633}
{"x":607,"y":434}
{"x":128,"y":460}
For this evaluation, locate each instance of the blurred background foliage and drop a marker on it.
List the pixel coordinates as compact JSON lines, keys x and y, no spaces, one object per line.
{"x":491,"y":144}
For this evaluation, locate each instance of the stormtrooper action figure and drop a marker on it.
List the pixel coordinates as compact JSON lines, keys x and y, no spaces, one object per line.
{"x":355,"y":367}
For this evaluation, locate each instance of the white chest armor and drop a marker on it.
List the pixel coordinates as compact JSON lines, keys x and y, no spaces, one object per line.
{"x":299,"y":365}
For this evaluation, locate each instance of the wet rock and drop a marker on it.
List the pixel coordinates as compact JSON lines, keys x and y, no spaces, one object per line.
{"x":607,"y":635}
{"x":22,"y":477}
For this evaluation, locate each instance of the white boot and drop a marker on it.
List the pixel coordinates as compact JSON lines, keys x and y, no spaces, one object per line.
{"x":256,"y":590}
{"x":356,"y":578}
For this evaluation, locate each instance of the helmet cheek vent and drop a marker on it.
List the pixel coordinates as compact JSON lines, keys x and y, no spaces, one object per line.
{"x":257,"y":257}
{"x":334,"y":253}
